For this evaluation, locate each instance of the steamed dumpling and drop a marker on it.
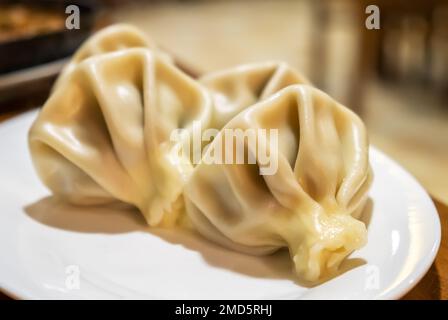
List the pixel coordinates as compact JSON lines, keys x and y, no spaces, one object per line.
{"x":235,"y":89}
{"x":104,"y":133}
{"x":310,"y":204}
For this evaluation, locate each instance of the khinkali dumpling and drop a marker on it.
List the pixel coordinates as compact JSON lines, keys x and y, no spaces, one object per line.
{"x":309,"y":204}
{"x":104,"y":133}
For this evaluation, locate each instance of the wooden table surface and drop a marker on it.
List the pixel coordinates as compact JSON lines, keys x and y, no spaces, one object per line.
{"x":434,"y":284}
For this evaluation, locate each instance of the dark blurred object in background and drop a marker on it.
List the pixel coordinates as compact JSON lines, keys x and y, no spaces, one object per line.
{"x":34,"y":32}
{"x":438,"y":48}
{"x":33,"y":40}
{"x":414,"y":43}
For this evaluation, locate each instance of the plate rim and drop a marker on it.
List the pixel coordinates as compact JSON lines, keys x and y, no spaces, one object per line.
{"x":428,"y":259}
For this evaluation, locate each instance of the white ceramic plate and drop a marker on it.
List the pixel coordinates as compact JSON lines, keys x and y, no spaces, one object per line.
{"x":52,"y":250}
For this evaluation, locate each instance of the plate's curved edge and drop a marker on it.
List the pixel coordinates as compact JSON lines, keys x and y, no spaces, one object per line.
{"x":425,"y":264}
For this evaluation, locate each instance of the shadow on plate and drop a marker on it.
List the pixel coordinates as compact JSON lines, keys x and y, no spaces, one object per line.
{"x":109,"y":219}
{"x":118,"y":219}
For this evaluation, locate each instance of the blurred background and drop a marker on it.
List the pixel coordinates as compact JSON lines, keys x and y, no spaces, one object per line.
{"x":395,"y":77}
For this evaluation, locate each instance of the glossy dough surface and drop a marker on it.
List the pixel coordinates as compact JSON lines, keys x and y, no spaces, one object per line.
{"x":104,"y":136}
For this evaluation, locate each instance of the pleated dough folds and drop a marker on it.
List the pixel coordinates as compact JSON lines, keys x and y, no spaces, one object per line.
{"x":237,"y":88}
{"x":110,"y":39}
